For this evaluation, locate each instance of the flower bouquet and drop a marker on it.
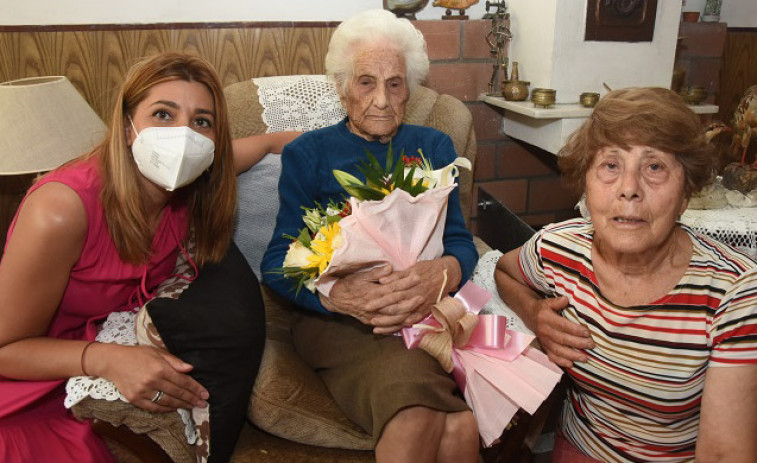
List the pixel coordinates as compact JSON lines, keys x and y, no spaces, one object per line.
{"x":395,"y":217}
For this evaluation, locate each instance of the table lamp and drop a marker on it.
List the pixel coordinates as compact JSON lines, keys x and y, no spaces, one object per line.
{"x":45,"y":122}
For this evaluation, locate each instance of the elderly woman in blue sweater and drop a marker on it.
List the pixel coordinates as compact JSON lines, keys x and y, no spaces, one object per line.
{"x":410,"y":405}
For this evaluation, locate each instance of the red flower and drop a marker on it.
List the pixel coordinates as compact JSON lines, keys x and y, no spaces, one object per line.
{"x":410,"y":161}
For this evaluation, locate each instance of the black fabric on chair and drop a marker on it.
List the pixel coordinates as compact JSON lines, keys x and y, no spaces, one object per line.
{"x":218,"y":325}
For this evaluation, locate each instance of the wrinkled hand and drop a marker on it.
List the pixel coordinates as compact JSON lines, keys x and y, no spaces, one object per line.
{"x":562,"y":340}
{"x":139,"y":372}
{"x":362,"y":296}
{"x":421,"y":283}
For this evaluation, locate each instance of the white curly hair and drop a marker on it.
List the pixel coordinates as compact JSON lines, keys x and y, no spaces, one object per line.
{"x":370,"y":27}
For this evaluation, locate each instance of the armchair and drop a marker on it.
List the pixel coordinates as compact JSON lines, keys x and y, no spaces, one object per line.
{"x":291,"y":414}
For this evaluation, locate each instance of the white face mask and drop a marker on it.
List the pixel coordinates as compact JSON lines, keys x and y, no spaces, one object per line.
{"x":172,"y":157}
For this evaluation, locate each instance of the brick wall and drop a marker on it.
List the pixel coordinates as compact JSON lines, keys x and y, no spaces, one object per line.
{"x":521,"y":176}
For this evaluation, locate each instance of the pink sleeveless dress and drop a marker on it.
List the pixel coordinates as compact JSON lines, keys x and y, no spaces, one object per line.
{"x":34,"y":425}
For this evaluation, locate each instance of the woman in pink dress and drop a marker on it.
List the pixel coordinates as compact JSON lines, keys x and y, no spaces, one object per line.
{"x":97,"y":236}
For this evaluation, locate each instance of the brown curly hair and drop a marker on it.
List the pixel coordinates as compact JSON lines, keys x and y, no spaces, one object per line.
{"x":644,"y":116}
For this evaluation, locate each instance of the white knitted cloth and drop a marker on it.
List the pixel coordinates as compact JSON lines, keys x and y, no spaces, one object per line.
{"x":118,"y":328}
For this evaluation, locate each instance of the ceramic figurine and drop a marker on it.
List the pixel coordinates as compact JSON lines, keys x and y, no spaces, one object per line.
{"x":405,"y":8}
{"x":459,"y":5}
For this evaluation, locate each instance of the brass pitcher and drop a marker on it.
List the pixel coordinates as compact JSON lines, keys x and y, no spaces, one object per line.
{"x":515,"y":89}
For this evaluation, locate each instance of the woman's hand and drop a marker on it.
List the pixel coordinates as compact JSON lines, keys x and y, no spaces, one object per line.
{"x":391,"y":300}
{"x":561,"y":339}
{"x":362,"y":296}
{"x":141,"y":372}
{"x":423,"y":284}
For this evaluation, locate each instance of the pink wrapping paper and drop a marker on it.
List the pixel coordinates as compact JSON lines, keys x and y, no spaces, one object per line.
{"x":496,"y":369}
{"x":399,"y":230}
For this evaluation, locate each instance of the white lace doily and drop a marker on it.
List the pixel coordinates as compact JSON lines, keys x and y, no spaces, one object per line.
{"x":483,"y":275}
{"x":736,"y":227}
{"x":118,"y":328}
{"x":298,"y":103}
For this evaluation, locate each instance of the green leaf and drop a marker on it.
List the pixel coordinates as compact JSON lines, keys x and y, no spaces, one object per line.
{"x":373,"y":161}
{"x":389,"y":158}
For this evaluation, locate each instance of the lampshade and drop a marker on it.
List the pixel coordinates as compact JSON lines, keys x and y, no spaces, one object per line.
{"x":44,"y":122}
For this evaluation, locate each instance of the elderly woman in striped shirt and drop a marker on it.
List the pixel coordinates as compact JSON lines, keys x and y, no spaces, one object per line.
{"x":655,"y":325}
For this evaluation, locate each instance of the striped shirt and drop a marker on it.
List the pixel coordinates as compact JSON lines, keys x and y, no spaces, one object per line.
{"x":638,"y":396}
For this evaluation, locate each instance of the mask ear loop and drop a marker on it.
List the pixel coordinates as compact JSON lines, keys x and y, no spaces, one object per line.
{"x":131,"y":121}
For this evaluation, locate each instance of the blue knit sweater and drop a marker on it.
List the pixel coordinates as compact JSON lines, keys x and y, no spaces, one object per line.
{"x":306,"y":178}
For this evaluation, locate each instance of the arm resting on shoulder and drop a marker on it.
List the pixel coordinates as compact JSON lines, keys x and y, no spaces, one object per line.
{"x":561,"y":339}
{"x":728,"y":420}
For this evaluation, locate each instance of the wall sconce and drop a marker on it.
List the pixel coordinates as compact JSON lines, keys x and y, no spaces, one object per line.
{"x":45,"y":123}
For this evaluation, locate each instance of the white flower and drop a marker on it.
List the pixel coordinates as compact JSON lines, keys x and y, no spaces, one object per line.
{"x":312,"y":219}
{"x":330,"y":211}
{"x":297,"y":255}
{"x":310,"y":285}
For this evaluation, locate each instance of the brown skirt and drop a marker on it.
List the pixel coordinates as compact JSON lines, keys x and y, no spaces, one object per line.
{"x":372,"y":377}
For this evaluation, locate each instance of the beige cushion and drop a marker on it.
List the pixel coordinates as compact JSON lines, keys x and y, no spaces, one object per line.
{"x":289,"y":400}
{"x":166,"y":429}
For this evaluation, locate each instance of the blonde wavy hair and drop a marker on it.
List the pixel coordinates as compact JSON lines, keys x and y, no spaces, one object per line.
{"x":641,"y":116}
{"x":210,"y":200}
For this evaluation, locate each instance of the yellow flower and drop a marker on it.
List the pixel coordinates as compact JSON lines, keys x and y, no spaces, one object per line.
{"x":323,"y":245}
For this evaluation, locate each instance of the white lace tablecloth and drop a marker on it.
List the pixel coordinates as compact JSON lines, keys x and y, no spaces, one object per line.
{"x":118,"y":328}
{"x":483,"y":276}
{"x":736,"y":227}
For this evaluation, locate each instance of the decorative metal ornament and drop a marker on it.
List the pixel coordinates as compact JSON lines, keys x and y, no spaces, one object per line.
{"x":498,"y":37}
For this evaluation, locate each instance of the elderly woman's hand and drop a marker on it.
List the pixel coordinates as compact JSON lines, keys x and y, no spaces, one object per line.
{"x":391,"y":300}
{"x":562,"y":340}
{"x":421,"y":284}
{"x":362,"y":296}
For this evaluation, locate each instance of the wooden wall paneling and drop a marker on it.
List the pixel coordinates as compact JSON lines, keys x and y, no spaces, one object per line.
{"x":96,"y":59}
{"x":739,"y":70}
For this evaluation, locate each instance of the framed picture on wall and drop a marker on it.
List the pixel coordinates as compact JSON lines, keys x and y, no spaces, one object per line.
{"x":620,"y":20}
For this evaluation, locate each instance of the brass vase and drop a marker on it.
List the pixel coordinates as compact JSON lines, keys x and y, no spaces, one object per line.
{"x":515,"y":89}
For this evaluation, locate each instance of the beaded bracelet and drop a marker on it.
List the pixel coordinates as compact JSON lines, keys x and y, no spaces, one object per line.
{"x":83,"y":352}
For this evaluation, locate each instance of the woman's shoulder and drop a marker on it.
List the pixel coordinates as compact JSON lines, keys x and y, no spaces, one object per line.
{"x":574,"y":235}
{"x":82,"y":176}
{"x":424,"y":132}
{"x":53,"y":213}
{"x":316,"y":139}
{"x":709,"y":253}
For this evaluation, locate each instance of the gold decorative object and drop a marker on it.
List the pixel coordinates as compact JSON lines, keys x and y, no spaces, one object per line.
{"x":544,"y":97}
{"x":588,"y":99}
{"x":694,"y":94}
{"x":515,"y":89}
{"x":459,"y":5}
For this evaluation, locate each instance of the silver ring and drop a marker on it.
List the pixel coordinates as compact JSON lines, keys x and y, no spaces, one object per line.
{"x":158,"y":396}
